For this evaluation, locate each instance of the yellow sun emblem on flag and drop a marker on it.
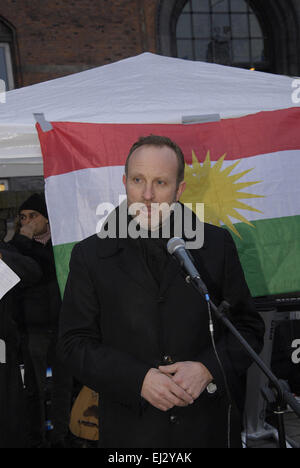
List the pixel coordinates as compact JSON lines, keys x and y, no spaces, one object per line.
{"x":219,"y":190}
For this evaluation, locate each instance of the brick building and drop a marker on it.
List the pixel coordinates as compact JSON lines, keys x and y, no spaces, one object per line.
{"x":42,"y":40}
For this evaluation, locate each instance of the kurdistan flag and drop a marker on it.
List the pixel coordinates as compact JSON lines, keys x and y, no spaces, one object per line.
{"x":246,"y":171}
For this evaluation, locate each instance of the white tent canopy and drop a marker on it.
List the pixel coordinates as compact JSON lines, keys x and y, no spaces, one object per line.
{"x":144,"y":89}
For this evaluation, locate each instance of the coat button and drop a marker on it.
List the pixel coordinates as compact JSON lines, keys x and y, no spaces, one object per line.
{"x":173,"y":419}
{"x":211,"y":388}
{"x":167,"y":359}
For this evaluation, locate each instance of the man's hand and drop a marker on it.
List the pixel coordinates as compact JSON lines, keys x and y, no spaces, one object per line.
{"x":28,"y":230}
{"x":191,"y":376}
{"x":162,"y":391}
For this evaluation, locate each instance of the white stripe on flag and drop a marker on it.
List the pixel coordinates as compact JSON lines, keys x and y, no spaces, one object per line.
{"x":73,"y":198}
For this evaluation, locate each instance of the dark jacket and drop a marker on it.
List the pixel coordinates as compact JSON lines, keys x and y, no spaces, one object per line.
{"x":117,"y":323}
{"x":41,"y":301}
{"x":12,"y":430}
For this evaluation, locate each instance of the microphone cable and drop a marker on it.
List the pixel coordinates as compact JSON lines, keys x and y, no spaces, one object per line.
{"x":211,"y":331}
{"x":174,"y":247}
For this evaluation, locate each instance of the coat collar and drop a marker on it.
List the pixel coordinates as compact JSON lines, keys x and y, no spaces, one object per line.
{"x":127,"y":255}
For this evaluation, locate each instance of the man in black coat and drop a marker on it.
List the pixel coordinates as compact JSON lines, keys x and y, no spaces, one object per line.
{"x":41,"y":304}
{"x":12,"y":401}
{"x":135,"y":331}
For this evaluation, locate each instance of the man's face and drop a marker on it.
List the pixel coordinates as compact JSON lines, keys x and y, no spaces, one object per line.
{"x":35,"y":219}
{"x":152,"y":179}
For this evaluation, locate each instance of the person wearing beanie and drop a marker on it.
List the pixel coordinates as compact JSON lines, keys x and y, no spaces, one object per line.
{"x":37,"y":203}
{"x":41,"y":305}
{"x":33,"y":219}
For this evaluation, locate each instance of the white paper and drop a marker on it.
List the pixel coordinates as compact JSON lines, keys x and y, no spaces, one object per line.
{"x":8,"y":278}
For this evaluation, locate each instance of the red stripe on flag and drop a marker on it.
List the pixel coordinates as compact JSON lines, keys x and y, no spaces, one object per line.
{"x":73,"y":146}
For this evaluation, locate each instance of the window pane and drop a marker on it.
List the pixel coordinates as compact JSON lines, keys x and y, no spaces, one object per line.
{"x":238,"y":5}
{"x":219,"y":5}
{"x":219,"y":51}
{"x":3,"y":68}
{"x":184,"y":48}
{"x":201,"y":49}
{"x":187,"y":7}
{"x":241,"y":52}
{"x":200,"y":5}
{"x":257,"y":50}
{"x":201,"y":25}
{"x":255,"y":29}
{"x":240,"y":26}
{"x":220,"y":26}
{"x":227,"y":32}
{"x":183,"y":28}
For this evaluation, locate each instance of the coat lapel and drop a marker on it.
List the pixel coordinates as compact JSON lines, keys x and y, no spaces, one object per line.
{"x":132,"y":263}
{"x":126,"y":255}
{"x":129,"y":259}
{"x":170,"y":274}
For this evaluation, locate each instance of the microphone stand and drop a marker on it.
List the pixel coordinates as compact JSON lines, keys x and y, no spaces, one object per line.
{"x":280,"y":395}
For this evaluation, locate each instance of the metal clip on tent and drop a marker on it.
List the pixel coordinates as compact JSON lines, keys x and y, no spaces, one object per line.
{"x":196,"y":119}
{"x":44,"y":124}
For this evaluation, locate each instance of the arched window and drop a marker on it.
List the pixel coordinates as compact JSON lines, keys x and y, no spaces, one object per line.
{"x":263,"y":34}
{"x":6,"y":47}
{"x":227,"y":32}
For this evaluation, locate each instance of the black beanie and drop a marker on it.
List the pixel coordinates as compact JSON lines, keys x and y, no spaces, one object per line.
{"x":37,"y":203}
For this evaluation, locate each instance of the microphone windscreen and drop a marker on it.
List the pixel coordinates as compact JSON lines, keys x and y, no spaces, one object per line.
{"x":174,"y":243}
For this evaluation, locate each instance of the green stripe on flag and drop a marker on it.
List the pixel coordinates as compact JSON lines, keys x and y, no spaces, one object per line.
{"x":270,"y":255}
{"x":269,"y":252}
{"x":62,"y":255}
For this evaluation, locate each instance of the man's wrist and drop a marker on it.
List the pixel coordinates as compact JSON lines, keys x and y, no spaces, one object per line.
{"x":210,"y":376}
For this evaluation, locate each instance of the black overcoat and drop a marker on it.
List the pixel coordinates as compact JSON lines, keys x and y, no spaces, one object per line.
{"x":12,"y":398}
{"x":41,"y":302}
{"x":117,"y":323}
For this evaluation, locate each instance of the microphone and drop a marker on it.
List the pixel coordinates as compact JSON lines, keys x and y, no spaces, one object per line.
{"x":176,"y":247}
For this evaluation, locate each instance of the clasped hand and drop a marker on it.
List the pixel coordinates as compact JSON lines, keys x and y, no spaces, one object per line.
{"x":28,"y":230}
{"x":177,"y":384}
